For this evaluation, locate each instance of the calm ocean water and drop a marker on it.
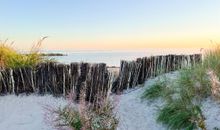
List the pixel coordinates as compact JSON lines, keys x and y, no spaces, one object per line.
{"x":112,"y":58}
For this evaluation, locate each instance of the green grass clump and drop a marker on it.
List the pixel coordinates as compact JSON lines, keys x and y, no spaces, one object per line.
{"x":88,"y":116}
{"x":183,"y":111}
{"x":212,"y":59}
{"x":193,"y":83}
{"x":178,"y":115}
{"x":154,"y":92}
{"x":157,"y":90}
{"x":70,"y":117}
{"x":10,"y":58}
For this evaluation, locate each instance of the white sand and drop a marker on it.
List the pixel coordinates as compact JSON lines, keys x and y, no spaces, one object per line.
{"x":136,"y":114}
{"x":211,"y":111}
{"x":26,"y":112}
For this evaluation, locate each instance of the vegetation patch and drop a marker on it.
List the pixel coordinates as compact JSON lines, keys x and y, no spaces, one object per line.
{"x":157,"y":90}
{"x":10,"y":58}
{"x":183,"y":100}
{"x":86,"y":116}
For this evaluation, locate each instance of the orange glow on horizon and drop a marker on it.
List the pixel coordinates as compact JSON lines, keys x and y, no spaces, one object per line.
{"x":118,"y":43}
{"x":127,"y":44}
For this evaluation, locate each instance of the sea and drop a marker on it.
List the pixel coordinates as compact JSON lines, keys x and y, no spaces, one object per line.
{"x":113,"y":57}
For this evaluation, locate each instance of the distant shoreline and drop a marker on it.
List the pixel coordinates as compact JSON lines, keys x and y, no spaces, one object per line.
{"x":51,"y":54}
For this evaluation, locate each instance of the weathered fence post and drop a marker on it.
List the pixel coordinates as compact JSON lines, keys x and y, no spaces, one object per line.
{"x":147,"y":67}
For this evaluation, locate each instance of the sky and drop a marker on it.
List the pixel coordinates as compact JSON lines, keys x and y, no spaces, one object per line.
{"x":110,"y":24}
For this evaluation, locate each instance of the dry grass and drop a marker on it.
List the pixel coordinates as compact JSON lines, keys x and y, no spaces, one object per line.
{"x":10,"y":58}
{"x":215,"y":85}
{"x":85,"y":115}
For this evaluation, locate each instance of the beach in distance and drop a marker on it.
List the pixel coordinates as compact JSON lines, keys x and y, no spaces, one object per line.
{"x":112,"y":58}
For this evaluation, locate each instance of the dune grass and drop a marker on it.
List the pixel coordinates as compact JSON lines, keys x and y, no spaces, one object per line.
{"x":182,"y":99}
{"x":178,"y":115}
{"x":10,"y":58}
{"x":154,"y":92}
{"x":158,"y":90}
{"x":86,"y":116}
{"x":183,"y":111}
{"x":192,"y":85}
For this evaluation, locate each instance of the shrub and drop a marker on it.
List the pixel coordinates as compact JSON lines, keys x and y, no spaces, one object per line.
{"x":69,"y":117}
{"x":10,"y":58}
{"x":88,"y":116}
{"x":193,"y":83}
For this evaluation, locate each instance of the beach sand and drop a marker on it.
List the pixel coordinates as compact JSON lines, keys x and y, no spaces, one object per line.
{"x":28,"y":112}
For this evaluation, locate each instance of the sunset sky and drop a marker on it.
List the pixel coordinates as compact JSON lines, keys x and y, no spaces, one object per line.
{"x":110,"y":24}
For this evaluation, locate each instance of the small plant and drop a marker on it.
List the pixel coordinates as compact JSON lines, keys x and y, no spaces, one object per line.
{"x":195,"y":82}
{"x":212,"y":59}
{"x":179,"y":115}
{"x":154,"y":91}
{"x":69,"y":117}
{"x":10,"y":58}
{"x":88,"y":116}
{"x":157,"y":90}
{"x":215,"y":84}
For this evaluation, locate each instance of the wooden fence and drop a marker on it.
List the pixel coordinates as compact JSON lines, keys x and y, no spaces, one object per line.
{"x":57,"y":79}
{"x":136,"y":72}
{"x":95,"y":79}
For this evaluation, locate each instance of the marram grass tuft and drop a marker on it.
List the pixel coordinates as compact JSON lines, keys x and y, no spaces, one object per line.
{"x":10,"y":58}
